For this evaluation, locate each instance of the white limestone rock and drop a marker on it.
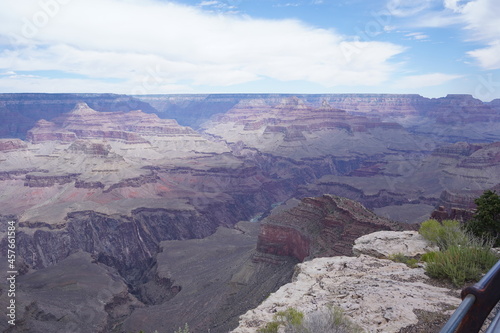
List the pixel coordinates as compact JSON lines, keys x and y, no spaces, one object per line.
{"x":383,"y":244}
{"x":377,"y":294}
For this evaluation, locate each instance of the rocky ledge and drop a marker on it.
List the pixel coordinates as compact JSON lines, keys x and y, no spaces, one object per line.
{"x":377,"y":294}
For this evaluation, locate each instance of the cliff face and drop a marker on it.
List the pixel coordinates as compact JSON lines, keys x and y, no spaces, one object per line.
{"x":23,"y":110}
{"x":297,"y":130}
{"x":468,"y":170}
{"x":317,"y":227}
{"x":127,"y":243}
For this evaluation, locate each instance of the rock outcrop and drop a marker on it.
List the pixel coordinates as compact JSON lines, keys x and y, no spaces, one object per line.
{"x":377,"y":294}
{"x":48,"y":131}
{"x":12,"y":144}
{"x":318,"y":227}
{"x":298,"y":130}
{"x":85,"y":123}
{"x":383,"y":244}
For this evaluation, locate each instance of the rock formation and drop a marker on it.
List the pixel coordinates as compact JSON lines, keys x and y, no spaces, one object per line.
{"x":11,"y":144}
{"x":85,"y":123}
{"x":384,"y":244}
{"x":319,"y":227}
{"x":377,"y":294}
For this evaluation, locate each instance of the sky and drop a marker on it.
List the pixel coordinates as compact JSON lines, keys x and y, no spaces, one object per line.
{"x":427,"y":47}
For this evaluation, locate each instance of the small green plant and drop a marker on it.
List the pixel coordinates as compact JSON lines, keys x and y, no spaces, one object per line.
{"x":271,"y":327}
{"x":331,"y":319}
{"x":290,"y":317}
{"x":428,"y":257}
{"x":462,"y":257}
{"x":445,"y":234}
{"x":461,"y":264}
{"x":430,"y":230}
{"x":400,"y":257}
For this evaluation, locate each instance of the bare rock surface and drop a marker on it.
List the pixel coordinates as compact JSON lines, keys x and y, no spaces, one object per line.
{"x":383,"y":244}
{"x":377,"y":294}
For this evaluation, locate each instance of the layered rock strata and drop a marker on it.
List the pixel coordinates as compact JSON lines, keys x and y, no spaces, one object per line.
{"x":317,"y":227}
{"x":85,"y":123}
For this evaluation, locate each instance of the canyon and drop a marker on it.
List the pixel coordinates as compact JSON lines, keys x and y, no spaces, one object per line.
{"x":172,"y":209}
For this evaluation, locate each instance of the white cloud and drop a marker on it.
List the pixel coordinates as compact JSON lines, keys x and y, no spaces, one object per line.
{"x":405,"y":8}
{"x":209,"y":3}
{"x":181,"y":45}
{"x":482,"y":18}
{"x":455,"y":5}
{"x":37,"y":84}
{"x":417,"y":36}
{"x":489,"y":57}
{"x":436,"y":20}
{"x":423,"y":81}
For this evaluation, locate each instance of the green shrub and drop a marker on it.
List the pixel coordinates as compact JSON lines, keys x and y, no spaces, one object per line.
{"x":290,"y":317}
{"x":445,"y":234}
{"x":329,"y":320}
{"x":400,"y":257}
{"x":271,"y":327}
{"x":430,"y":230}
{"x":461,"y":264}
{"x":429,"y":256}
{"x":462,"y":257}
{"x":486,"y":220}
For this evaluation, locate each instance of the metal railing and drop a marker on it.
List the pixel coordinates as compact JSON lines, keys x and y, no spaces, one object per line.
{"x":477,"y":303}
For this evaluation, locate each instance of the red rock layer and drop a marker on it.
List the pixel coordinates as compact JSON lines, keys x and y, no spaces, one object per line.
{"x":283,"y":241}
{"x":322,"y":226}
{"x":48,"y":131}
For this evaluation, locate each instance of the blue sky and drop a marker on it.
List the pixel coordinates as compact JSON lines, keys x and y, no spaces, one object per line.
{"x":429,"y":47}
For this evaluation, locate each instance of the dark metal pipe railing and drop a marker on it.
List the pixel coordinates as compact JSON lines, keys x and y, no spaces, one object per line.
{"x":495,"y":324}
{"x":478,"y":301}
{"x":459,"y":314}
